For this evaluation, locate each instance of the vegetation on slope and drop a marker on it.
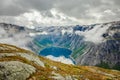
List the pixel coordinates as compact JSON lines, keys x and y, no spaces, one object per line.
{"x":51,"y":70}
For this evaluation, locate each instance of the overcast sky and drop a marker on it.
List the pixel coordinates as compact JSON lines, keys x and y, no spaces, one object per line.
{"x":59,"y":12}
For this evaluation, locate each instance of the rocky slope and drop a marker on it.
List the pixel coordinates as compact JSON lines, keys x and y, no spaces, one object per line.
{"x":107,"y":53}
{"x":20,"y":64}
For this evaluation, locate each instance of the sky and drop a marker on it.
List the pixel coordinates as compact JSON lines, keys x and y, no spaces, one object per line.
{"x":59,"y":12}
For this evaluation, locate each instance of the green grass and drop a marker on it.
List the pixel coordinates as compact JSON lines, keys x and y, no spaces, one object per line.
{"x":35,"y":42}
{"x":79,"y":51}
{"x":103,"y":65}
{"x":117,"y":67}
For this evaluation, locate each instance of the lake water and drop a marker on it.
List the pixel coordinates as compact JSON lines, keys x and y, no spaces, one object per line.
{"x":56,"y":51}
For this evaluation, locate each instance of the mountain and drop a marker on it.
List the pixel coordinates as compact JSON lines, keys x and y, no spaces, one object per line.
{"x":94,"y":45}
{"x":20,"y":64}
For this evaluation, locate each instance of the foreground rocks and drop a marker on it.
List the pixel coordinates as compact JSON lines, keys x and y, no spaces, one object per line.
{"x":11,"y":70}
{"x":20,"y":64}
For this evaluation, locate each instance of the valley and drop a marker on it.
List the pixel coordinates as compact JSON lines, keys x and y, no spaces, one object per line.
{"x":93,"y":45}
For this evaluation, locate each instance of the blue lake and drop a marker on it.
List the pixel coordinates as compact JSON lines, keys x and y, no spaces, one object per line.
{"x":56,"y":51}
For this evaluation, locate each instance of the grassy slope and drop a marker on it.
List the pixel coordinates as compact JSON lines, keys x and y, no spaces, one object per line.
{"x":45,"y":73}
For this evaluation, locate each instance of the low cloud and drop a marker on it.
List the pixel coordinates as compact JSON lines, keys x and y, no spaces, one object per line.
{"x":94,"y":35}
{"x":18,"y":39}
{"x":61,"y":59}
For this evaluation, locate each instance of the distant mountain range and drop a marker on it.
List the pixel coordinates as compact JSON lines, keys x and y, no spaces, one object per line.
{"x":94,"y":45}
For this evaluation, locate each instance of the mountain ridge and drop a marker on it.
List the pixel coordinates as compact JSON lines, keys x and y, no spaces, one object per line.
{"x":95,"y":45}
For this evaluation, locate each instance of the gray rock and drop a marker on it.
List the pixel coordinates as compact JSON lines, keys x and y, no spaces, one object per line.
{"x":32,"y":58}
{"x":15,"y":70}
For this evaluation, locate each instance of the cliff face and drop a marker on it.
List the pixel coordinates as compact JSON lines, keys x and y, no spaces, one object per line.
{"x":20,"y":64}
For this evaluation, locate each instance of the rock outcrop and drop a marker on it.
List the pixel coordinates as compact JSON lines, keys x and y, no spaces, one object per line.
{"x":15,"y":70}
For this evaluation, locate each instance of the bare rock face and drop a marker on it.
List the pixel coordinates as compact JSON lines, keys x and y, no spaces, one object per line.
{"x":15,"y":70}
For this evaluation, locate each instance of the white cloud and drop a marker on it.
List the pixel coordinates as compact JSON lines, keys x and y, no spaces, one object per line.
{"x":57,"y":12}
{"x":109,"y":12}
{"x":2,"y":32}
{"x":55,"y":17}
{"x":18,"y":39}
{"x":38,"y":33}
{"x":94,"y":35}
{"x":37,"y":18}
{"x":60,"y":59}
{"x":69,"y":30}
